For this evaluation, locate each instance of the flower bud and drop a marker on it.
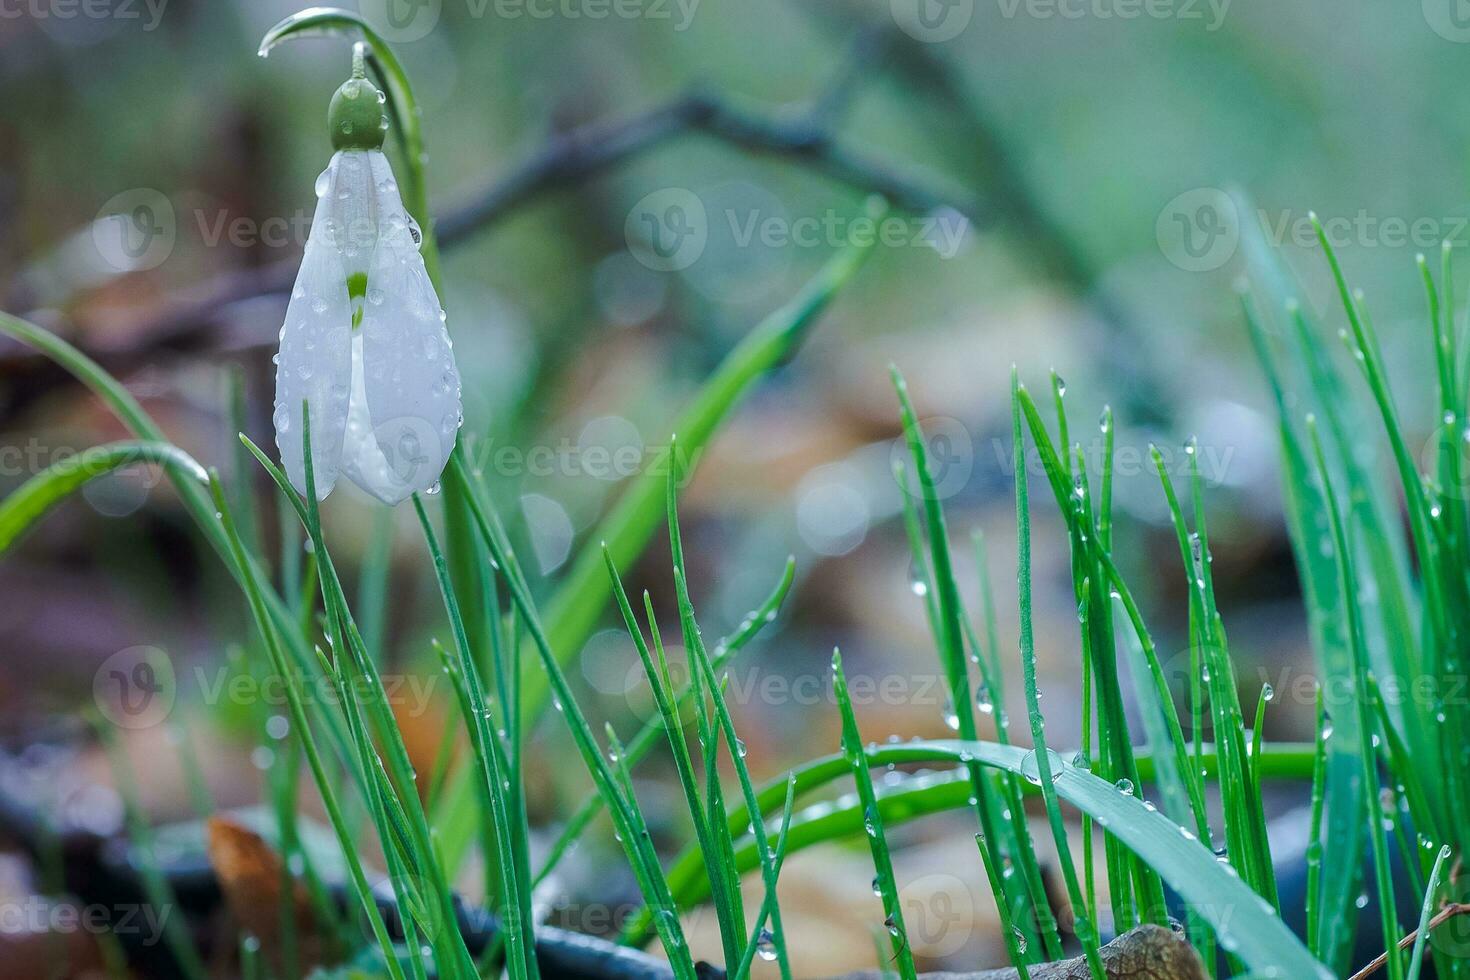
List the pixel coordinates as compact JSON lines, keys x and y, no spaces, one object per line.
{"x":356,"y":118}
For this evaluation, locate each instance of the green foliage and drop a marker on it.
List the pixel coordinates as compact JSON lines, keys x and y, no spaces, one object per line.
{"x":507,"y":660}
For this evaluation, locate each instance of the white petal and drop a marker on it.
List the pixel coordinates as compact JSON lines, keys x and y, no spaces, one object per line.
{"x":314,"y":364}
{"x":353,"y":205}
{"x":409,"y":381}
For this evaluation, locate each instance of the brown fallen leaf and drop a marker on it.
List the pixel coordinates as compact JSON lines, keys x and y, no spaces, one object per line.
{"x":252,"y":877}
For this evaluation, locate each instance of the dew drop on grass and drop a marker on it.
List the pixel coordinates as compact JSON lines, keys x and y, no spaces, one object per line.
{"x":878,"y":886}
{"x":1031,"y":767}
{"x":1268,"y":693}
{"x":984,"y":700}
{"x":765,"y":946}
{"x":1124,"y":786}
{"x":891,"y":924}
{"x":951,"y":717}
{"x":920,"y":587}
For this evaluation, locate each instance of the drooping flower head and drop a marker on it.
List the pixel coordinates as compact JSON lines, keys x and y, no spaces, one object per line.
{"x":364,"y":342}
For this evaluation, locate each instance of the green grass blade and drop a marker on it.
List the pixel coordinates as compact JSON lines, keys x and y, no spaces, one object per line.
{"x":852,"y":744}
{"x":631,"y":827}
{"x":1416,"y":960}
{"x":731,"y":930}
{"x":1001,"y":843}
{"x":1245,"y":923}
{"x":1041,"y":756}
{"x":32,"y":499}
{"x":580,"y":600}
{"x":1366,"y":724}
{"x":725,"y":651}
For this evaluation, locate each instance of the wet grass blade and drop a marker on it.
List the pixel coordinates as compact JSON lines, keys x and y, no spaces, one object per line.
{"x":1366,"y":722}
{"x":1003,"y":841}
{"x":852,"y":745}
{"x":32,"y":499}
{"x":1041,"y":757}
{"x":648,"y":736}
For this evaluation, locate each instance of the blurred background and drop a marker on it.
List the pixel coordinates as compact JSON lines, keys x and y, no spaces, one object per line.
{"x":625,"y":189}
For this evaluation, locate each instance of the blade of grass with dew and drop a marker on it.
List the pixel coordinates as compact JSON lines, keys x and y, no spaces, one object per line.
{"x":31,"y":500}
{"x":1243,"y":831}
{"x":1416,"y":960}
{"x":769,"y":871}
{"x":579,"y":601}
{"x":515,"y":905}
{"x":631,"y":827}
{"x":400,"y":792}
{"x":646,"y":738}
{"x":195,"y":497}
{"x":300,"y":723}
{"x":1013,"y":904}
{"x":1002,"y":843}
{"x":917,"y":796}
{"x":1441,"y":578}
{"x":1245,"y":923}
{"x":405,"y":833}
{"x":1391,"y":624}
{"x":382,"y":799}
{"x":1116,"y":757}
{"x":852,"y":744}
{"x":1313,"y":899}
{"x":706,"y":699}
{"x":1381,"y":869}
{"x":1040,"y":754}
{"x":761,"y":940}
{"x":658,"y":682}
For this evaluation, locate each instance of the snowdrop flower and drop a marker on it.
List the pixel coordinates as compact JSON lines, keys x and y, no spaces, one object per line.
{"x":364,"y":343}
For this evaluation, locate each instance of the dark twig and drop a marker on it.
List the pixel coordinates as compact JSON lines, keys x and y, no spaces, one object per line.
{"x":575,"y":156}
